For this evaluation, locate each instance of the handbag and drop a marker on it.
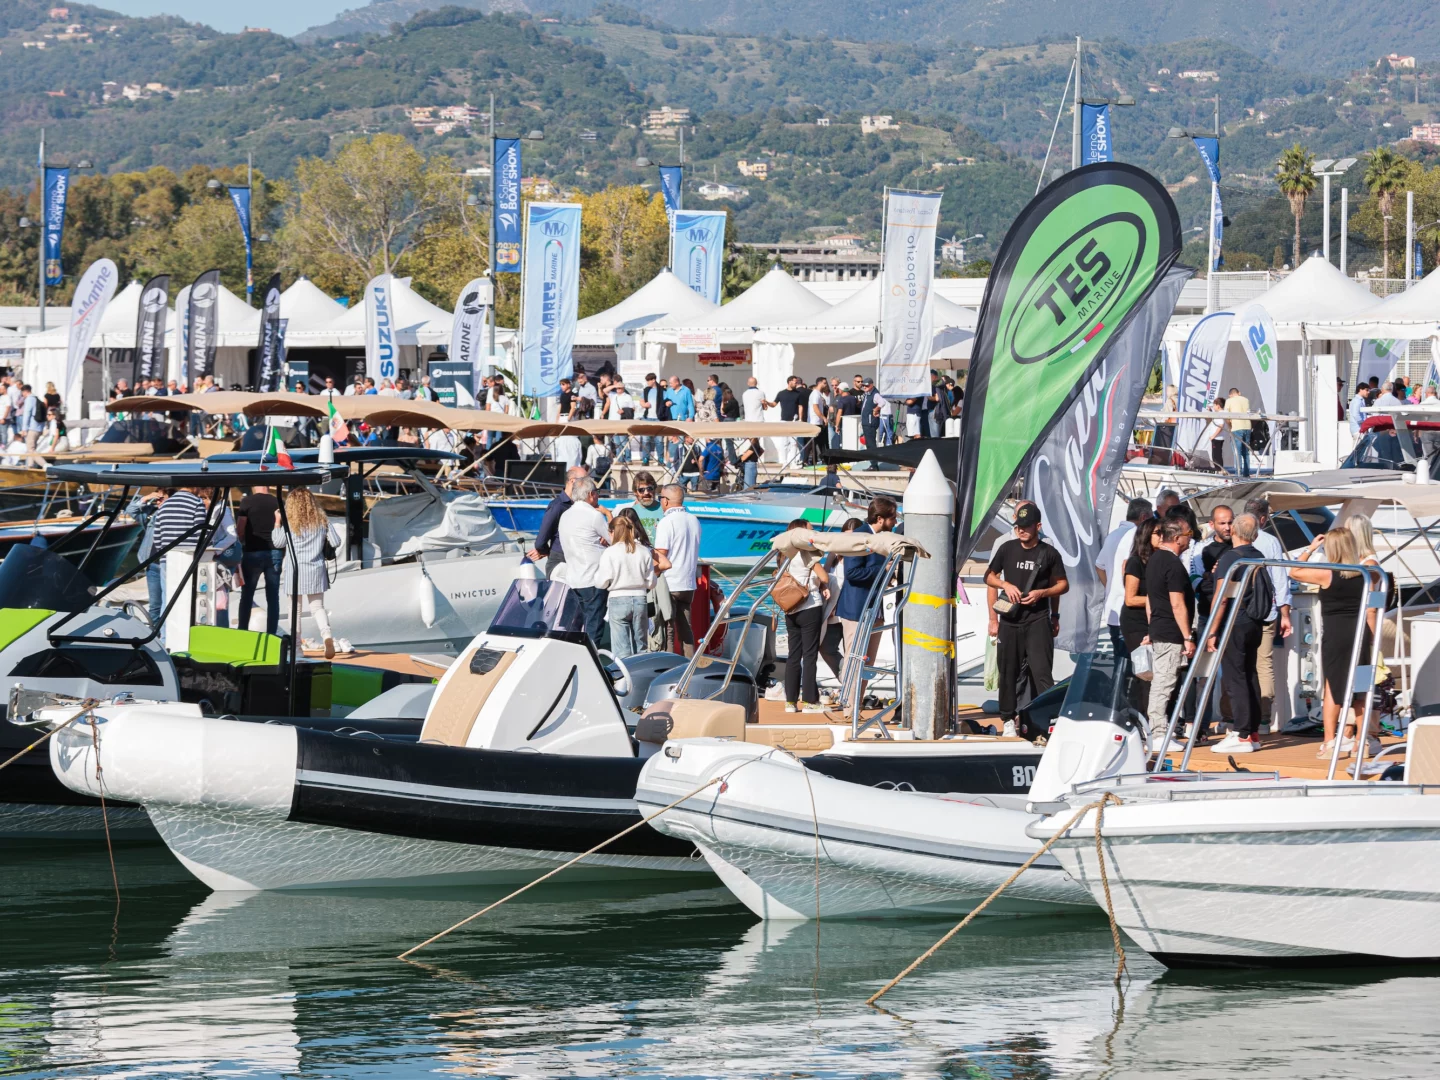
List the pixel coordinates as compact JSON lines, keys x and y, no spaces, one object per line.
{"x":1142,"y":662}
{"x":992,"y":664}
{"x":788,"y":592}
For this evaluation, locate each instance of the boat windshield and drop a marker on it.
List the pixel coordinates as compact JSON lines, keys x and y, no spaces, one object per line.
{"x":162,"y":435}
{"x":36,"y":577}
{"x":536,"y":608}
{"x":1098,"y":689}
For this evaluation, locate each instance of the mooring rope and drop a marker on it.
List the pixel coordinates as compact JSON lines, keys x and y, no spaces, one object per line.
{"x":1098,"y":805}
{"x":90,"y":703}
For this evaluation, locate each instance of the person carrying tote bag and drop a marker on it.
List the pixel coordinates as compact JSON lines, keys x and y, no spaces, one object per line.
{"x":800,"y":590}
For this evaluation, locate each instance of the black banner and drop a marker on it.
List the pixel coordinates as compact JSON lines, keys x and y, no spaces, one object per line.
{"x":204,"y":326}
{"x":1078,"y":261}
{"x":271,"y":354}
{"x":150,"y":330}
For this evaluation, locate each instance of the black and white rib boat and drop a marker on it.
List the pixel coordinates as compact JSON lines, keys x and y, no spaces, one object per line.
{"x":525,"y":759}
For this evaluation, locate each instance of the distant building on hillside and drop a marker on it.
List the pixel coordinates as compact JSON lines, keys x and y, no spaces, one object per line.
{"x":1426,"y":133}
{"x":823,"y":262}
{"x":666,"y":117}
{"x":823,"y":121}
{"x":869,"y":124}
{"x":443,"y":119}
{"x":1397,"y":62}
{"x":756,"y":170}
{"x":712,"y":190}
{"x":537,"y":186}
{"x":1201,"y":76}
{"x":256,"y":30}
{"x":589,"y":136}
{"x":848,"y":241}
{"x":59,"y":14}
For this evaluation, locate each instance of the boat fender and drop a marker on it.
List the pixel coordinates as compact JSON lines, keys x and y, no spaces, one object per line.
{"x":427,"y":598}
{"x":704,"y":606}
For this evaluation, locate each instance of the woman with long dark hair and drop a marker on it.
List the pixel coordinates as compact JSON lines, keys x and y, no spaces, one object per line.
{"x":1134,"y":621}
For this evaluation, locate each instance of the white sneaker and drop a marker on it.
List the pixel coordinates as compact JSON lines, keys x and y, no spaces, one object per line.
{"x":790,"y":707}
{"x":1231,"y":744}
{"x":1170,"y":747}
{"x":1010,"y":732}
{"x":806,"y":707}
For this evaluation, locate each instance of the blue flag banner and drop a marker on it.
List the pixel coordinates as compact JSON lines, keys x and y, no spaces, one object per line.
{"x":506,"y":223}
{"x":57,"y":188}
{"x":550,"y":296}
{"x":240,"y":196}
{"x":1095,"y":144}
{"x":1217,"y":226}
{"x":698,"y":242}
{"x":1419,"y":265}
{"x":1210,"y":151}
{"x":670,"y":180}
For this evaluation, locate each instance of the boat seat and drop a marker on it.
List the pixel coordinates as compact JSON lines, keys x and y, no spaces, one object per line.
{"x":458,"y":703}
{"x":804,"y":739}
{"x":227,"y":645}
{"x":691,"y":718}
{"x":1422,"y":753}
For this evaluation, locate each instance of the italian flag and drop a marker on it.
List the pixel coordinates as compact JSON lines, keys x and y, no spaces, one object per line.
{"x":276,"y":447}
{"x":339,"y":430}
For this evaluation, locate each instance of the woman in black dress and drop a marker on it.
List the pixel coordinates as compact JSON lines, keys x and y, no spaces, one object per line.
{"x":1134,"y":623}
{"x":1342,"y":601}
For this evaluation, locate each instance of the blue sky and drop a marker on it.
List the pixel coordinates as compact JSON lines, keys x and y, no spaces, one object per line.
{"x":282,"y":16}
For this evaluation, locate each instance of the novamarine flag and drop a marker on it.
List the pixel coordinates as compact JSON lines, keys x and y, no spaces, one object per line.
{"x":467,"y":327}
{"x":1079,"y":260}
{"x":92,"y":297}
{"x":550,"y":302}
{"x":150,"y":330}
{"x":1095,"y":142}
{"x":180,"y":338}
{"x":240,"y":196}
{"x":907,"y":307}
{"x":57,"y":189}
{"x":670,"y":180}
{"x":505,"y":180}
{"x":1075,"y":471}
{"x":270,"y":356}
{"x":698,"y":242}
{"x":382,"y":353}
{"x":201,"y":341}
{"x":1257,"y":334}
{"x":1378,"y":357}
{"x":1200,"y":371}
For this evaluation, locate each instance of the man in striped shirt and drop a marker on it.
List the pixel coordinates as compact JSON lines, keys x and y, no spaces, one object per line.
{"x":182,"y":510}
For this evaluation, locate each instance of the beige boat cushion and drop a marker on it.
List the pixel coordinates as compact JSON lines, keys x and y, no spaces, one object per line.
{"x":691,"y":718}
{"x":452,"y":714}
{"x":1422,"y":757}
{"x":809,"y":739}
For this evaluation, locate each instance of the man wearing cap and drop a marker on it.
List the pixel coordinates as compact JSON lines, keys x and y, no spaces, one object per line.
{"x":1029,"y":576}
{"x":869,"y":414}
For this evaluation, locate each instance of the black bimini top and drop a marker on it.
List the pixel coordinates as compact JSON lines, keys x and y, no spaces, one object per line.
{"x":201,"y":474}
{"x":366,"y":455}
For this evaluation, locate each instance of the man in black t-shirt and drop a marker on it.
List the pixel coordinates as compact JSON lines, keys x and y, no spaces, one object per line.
{"x":1172,"y":616}
{"x":255,"y":519}
{"x":792,"y":401}
{"x":1029,"y":574}
{"x":1221,"y":519}
{"x":1240,"y":662}
{"x":567,"y":400}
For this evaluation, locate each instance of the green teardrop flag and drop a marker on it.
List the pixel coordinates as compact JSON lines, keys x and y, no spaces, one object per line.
{"x":1080,"y":258}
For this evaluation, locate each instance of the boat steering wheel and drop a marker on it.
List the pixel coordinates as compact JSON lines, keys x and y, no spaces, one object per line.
{"x":624,"y":673}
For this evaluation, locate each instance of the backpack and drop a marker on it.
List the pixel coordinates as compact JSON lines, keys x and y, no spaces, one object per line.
{"x":1259,"y":595}
{"x":1260,"y":436}
{"x":705,"y":410}
{"x":662,"y":406}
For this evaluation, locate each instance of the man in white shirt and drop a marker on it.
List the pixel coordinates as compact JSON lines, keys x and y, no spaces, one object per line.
{"x":1392,"y":396}
{"x":1277,"y":623}
{"x":619,"y":405}
{"x":677,"y":538}
{"x":586,"y":389}
{"x":753,"y":403}
{"x":1110,"y":564}
{"x":584,"y":534}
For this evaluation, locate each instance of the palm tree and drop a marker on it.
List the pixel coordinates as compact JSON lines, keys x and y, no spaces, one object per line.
{"x":1385,"y":176}
{"x":1295,"y":176}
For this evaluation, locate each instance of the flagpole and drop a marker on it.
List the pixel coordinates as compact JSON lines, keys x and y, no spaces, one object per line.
{"x":43,"y":223}
{"x":880,"y":292}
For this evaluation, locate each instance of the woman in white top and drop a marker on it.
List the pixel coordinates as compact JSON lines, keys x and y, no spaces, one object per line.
{"x":805,"y":626}
{"x":627,"y":570}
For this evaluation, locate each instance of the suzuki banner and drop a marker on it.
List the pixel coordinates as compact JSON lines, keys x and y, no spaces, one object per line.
{"x":1079,"y":260}
{"x":150,"y":330}
{"x":382,"y":352}
{"x":698,"y":242}
{"x":505,"y":186}
{"x":270,"y":356}
{"x":57,"y":190}
{"x":1200,"y":370}
{"x":907,"y":305}
{"x":201,"y":343}
{"x":1095,"y":142}
{"x":1077,"y":468}
{"x":467,"y":327}
{"x":550,"y":301}
{"x":92,"y":297}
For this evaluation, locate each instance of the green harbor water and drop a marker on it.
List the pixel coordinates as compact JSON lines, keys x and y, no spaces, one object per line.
{"x":626,"y":980}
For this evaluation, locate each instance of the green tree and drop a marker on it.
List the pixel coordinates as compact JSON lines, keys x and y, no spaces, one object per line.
{"x":1384,"y":177}
{"x":1295,"y":177}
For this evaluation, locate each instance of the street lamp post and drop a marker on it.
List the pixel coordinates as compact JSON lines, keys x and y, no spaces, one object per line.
{"x":1077,"y":154}
{"x":24,"y":223}
{"x":1212,"y":283}
{"x":965,"y":240}
{"x":1325,"y":168}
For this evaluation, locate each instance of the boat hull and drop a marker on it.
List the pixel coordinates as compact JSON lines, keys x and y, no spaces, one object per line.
{"x":1283,"y":875}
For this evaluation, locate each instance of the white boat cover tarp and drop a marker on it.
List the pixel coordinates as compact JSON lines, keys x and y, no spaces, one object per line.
{"x":409,"y":524}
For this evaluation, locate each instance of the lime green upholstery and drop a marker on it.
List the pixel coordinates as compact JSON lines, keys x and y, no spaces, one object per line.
{"x":355,"y":685}
{"x":15,"y":623}
{"x":223,"y":645}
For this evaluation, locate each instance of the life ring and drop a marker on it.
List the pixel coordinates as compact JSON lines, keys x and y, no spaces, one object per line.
{"x":704,"y":606}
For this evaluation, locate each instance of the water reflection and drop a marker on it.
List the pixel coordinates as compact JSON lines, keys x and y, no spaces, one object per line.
{"x":623,"y":980}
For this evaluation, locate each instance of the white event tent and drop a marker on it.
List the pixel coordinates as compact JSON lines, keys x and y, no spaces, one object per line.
{"x":303,"y":306}
{"x":665,"y":298}
{"x":1412,"y":315}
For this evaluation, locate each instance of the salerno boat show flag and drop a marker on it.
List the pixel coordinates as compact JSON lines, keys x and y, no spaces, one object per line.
{"x":57,"y":190}
{"x":270,"y":356}
{"x":907,"y":304}
{"x":1076,"y":470}
{"x":1209,"y":148}
{"x":382,"y":354}
{"x":671,"y":178}
{"x":240,"y":196}
{"x":204,"y":325}
{"x":1095,"y":144}
{"x":1078,"y":261}
{"x":505,"y":180}
{"x":150,"y":330}
{"x":92,"y":297}
{"x":550,"y":297}
{"x":1200,"y":370}
{"x":698,"y":242}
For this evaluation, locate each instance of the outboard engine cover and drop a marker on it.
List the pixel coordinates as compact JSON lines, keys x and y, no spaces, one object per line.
{"x":1097,"y":733}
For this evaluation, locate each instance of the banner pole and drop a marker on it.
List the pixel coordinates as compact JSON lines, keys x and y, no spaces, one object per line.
{"x":880,"y":293}
{"x":42,"y":231}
